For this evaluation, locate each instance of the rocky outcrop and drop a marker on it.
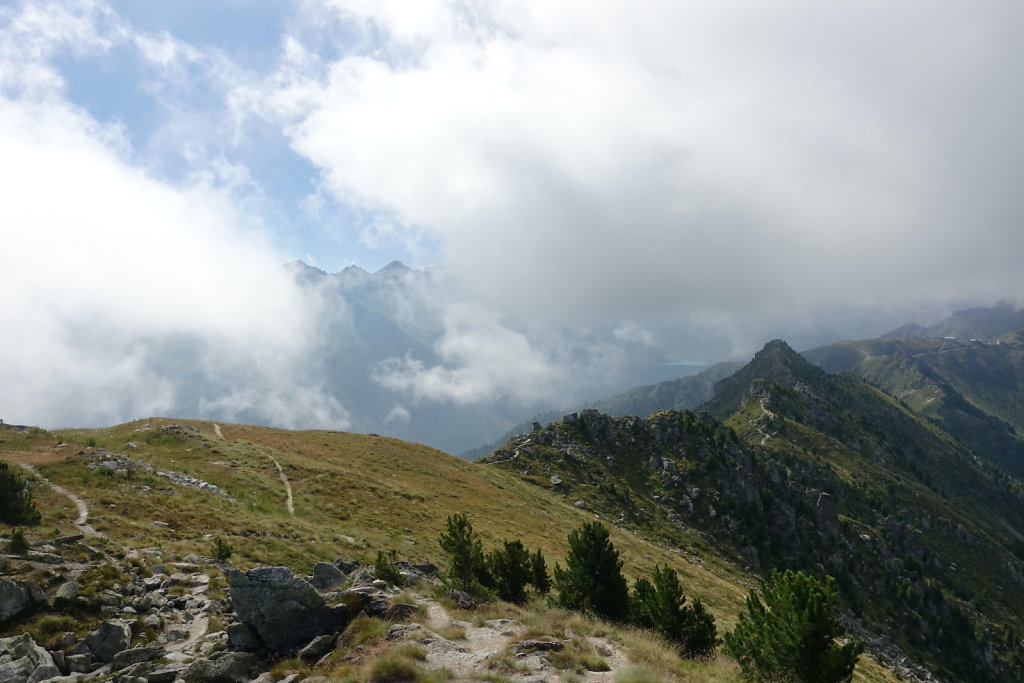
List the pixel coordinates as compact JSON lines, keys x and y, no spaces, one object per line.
{"x":18,"y":597}
{"x":270,"y":612}
{"x":284,"y":610}
{"x":22,"y":661}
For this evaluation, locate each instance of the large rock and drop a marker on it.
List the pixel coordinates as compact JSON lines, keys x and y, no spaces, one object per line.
{"x":136,"y":655}
{"x":284,"y":609}
{"x":228,"y":667}
{"x":18,"y":597}
{"x":64,"y":598}
{"x":22,"y":661}
{"x":327,"y":576}
{"x":111,"y":637}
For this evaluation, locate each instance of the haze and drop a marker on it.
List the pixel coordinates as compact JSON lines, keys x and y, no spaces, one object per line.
{"x":582,"y":179}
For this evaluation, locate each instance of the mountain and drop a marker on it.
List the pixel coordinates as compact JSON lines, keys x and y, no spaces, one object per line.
{"x":974,"y":389}
{"x":792,"y":467}
{"x":983,"y":322}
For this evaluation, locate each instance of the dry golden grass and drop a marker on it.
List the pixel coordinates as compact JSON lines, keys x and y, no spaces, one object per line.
{"x":353,"y":495}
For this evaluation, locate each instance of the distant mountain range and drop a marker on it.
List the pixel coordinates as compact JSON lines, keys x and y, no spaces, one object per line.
{"x":397,"y":314}
{"x":965,"y":373}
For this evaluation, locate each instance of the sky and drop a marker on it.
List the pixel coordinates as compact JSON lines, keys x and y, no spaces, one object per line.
{"x":737,"y":163}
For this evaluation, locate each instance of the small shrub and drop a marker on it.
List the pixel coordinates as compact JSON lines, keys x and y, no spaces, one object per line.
{"x":384,"y":570}
{"x":391,"y":667}
{"x":221,"y":549}
{"x":411,"y":651}
{"x":16,"y":504}
{"x":363,"y":630}
{"x":18,"y":545}
{"x":452,"y":632}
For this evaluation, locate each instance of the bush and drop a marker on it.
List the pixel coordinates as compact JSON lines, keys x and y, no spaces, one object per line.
{"x":661,"y":606}
{"x":592,"y":580}
{"x":18,"y":545}
{"x":789,"y":633}
{"x":16,"y":504}
{"x":385,"y":571}
{"x":539,"y":573}
{"x":468,"y":570}
{"x":510,"y":571}
{"x":222,"y":550}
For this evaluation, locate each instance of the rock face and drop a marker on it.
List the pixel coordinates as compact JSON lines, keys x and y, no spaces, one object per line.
{"x":22,"y":661}
{"x":111,"y":637}
{"x":17,"y":598}
{"x":283,"y":609}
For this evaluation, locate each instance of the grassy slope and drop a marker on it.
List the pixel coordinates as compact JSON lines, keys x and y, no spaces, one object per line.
{"x":353,"y":493}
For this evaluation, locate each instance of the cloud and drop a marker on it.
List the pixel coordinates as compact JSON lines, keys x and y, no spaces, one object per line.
{"x":126,"y":295}
{"x":628,"y":160}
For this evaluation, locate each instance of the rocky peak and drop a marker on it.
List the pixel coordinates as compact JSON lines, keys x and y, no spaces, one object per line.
{"x":775,"y":364}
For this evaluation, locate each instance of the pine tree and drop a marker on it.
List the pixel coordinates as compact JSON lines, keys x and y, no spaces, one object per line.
{"x":539,"y":573}
{"x":16,"y":504}
{"x":468,"y":570}
{"x":592,"y":580}
{"x":790,"y":632}
{"x":661,"y":606}
{"x":510,"y":571}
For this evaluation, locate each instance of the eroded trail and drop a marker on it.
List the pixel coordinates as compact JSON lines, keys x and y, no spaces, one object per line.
{"x":764,"y":432}
{"x":290,"y":501}
{"x":287,"y":486}
{"x":82,"y":522}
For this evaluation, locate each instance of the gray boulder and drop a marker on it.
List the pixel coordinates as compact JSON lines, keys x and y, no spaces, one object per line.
{"x":111,"y":637}
{"x":17,"y":598}
{"x":65,"y":596}
{"x":284,"y":609}
{"x":317,"y":648}
{"x":327,"y":576}
{"x":229,"y":667}
{"x":22,"y":661}
{"x":136,"y":655}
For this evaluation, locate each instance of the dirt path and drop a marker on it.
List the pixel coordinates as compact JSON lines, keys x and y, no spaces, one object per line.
{"x":475,"y":653}
{"x":287,"y":486}
{"x":764,"y":432}
{"x":83,"y":510}
{"x":290,"y":501}
{"x":196,"y":629}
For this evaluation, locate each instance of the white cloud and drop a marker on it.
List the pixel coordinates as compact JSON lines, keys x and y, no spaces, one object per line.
{"x":625,"y":159}
{"x":122,"y":291}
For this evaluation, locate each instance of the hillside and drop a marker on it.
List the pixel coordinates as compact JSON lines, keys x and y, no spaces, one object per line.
{"x":796,"y":468}
{"x":972,"y":389}
{"x":157,"y":493}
